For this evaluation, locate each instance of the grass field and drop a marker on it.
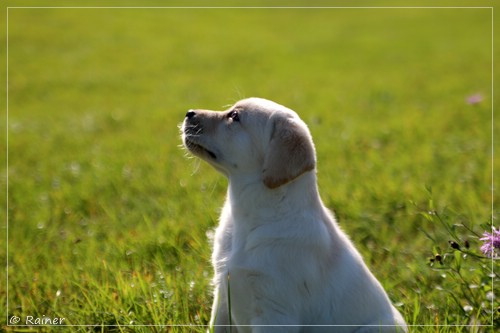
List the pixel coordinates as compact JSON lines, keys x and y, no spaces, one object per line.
{"x":108,"y":221}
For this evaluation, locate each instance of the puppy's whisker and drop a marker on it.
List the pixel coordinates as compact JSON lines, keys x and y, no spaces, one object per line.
{"x":196,"y":166}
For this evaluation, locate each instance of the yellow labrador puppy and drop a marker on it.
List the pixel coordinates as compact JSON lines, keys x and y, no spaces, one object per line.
{"x":281,"y":262}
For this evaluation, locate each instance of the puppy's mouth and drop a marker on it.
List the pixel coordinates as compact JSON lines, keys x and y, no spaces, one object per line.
{"x":198,"y":149}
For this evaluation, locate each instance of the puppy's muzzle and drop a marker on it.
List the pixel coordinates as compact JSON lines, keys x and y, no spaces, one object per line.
{"x":192,"y":126}
{"x":193,"y":130}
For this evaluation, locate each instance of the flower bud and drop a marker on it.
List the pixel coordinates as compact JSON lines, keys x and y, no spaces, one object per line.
{"x":454,"y":245}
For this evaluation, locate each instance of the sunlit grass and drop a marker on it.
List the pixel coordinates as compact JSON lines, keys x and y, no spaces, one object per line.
{"x":108,"y":219}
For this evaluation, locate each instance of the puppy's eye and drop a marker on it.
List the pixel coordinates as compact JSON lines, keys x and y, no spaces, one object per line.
{"x":234,"y":115}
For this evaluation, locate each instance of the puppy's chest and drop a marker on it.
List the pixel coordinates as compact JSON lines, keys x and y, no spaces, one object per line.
{"x":251,"y":237}
{"x":257,"y":242}
{"x":244,"y":243}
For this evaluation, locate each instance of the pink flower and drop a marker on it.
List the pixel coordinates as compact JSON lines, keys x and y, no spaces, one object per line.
{"x":491,"y":245}
{"x":474,"y":99}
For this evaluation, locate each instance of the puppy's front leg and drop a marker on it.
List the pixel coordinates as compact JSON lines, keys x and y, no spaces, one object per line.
{"x":219,"y":321}
{"x":257,"y":301}
{"x":286,"y":326}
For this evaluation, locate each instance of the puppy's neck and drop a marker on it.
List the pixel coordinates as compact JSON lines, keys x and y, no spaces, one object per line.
{"x":249,"y":197}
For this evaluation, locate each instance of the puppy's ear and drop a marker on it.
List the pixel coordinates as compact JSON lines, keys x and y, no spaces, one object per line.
{"x":290,"y":152}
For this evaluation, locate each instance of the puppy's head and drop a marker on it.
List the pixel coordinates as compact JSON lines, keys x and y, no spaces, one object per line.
{"x":253,"y":137}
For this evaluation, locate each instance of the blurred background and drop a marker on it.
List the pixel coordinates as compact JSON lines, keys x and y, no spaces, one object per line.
{"x":109,"y":222}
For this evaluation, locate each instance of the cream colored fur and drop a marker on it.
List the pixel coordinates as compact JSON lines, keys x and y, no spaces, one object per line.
{"x":278,"y":251}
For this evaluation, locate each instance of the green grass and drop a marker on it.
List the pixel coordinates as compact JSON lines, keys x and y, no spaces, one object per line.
{"x":108,"y":221}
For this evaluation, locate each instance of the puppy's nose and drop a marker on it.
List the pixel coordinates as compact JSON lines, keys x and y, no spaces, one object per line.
{"x":190,"y":114}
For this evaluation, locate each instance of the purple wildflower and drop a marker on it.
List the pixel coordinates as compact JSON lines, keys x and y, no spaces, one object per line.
{"x":474,"y":99}
{"x":491,"y":246}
